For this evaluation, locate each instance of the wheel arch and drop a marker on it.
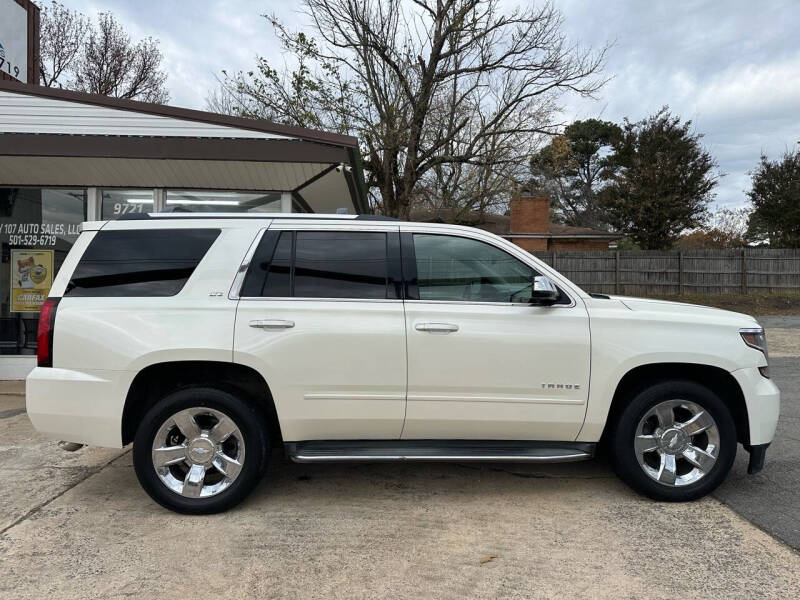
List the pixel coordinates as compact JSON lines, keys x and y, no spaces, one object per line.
{"x":157,"y":380}
{"x":714,"y":378}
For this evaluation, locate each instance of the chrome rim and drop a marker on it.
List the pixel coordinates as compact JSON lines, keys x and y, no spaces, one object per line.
{"x":677,"y":443}
{"x":198,"y":452}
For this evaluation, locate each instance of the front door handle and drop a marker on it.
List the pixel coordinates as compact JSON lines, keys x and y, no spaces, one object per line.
{"x":271,"y":324}
{"x":436,"y":327}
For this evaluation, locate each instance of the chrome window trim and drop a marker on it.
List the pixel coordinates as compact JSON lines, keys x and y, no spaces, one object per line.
{"x":455,"y":302}
{"x":572,"y":303}
{"x":238,"y":280}
{"x":307,"y":299}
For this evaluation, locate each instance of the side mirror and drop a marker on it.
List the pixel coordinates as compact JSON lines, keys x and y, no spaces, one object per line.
{"x":543,"y":292}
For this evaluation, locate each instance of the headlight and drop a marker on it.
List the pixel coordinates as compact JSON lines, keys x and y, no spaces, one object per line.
{"x":755,"y":338}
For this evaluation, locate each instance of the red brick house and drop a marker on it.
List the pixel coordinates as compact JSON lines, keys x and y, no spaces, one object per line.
{"x":529,"y":226}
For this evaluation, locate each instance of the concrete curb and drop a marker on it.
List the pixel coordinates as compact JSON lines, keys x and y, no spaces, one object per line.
{"x":12,"y":388}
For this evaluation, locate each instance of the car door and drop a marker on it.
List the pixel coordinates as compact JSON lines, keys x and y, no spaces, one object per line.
{"x":321,"y":318}
{"x":482,"y":362}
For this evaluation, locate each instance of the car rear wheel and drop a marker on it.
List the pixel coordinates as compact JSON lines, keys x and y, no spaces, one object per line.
{"x":200,"y":450}
{"x":674,"y":441}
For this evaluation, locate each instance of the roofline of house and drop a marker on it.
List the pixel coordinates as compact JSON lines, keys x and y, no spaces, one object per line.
{"x":186,"y":114}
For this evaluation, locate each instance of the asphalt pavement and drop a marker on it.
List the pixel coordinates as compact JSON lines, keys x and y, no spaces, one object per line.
{"x":771,"y":499}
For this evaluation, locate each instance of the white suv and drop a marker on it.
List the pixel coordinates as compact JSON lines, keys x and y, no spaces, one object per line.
{"x":207,"y":340}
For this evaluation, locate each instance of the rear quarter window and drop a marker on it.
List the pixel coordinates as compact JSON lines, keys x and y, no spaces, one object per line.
{"x":154,"y":262}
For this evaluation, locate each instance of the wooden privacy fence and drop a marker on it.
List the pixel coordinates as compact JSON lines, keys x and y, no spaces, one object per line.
{"x":654,"y":272}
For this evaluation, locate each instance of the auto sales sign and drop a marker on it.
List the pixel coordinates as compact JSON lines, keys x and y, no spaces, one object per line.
{"x":13,"y":39}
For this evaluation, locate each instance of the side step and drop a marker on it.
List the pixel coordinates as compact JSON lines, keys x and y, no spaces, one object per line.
{"x":438,"y":450}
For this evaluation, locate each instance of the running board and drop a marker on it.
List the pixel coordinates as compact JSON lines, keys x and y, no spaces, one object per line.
{"x":438,"y":450}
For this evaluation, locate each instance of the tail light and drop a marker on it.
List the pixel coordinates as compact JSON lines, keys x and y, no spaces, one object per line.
{"x":44,"y":336}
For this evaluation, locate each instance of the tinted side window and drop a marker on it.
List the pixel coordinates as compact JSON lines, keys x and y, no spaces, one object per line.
{"x":271,"y":267}
{"x":319,"y":264}
{"x":278,"y":280}
{"x":340,"y":264}
{"x":460,"y":269}
{"x":153,"y":262}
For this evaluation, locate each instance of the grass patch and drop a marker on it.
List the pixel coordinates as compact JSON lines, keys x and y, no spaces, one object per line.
{"x":751,"y":304}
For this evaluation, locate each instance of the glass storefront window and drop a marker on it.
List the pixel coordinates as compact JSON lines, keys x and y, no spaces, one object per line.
{"x":37,"y":229}
{"x":118,"y":202}
{"x":205,"y":201}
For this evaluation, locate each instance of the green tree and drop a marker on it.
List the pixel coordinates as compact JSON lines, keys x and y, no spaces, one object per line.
{"x":661,"y":182}
{"x":572,"y":166}
{"x":775,"y":194}
{"x":435,"y":90}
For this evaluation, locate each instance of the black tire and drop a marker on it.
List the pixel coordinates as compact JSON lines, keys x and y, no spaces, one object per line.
{"x":623,"y":457}
{"x":246,"y":417}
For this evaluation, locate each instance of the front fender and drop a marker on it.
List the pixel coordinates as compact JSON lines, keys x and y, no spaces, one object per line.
{"x":624,"y":339}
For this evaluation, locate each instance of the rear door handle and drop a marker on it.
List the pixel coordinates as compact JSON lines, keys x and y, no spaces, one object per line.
{"x":271,"y":324}
{"x":436,"y":327}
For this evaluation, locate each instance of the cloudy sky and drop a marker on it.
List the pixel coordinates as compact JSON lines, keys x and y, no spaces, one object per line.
{"x":731,"y":66}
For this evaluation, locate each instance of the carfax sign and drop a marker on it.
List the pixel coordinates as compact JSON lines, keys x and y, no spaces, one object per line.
{"x":13,"y":39}
{"x":31,"y":279}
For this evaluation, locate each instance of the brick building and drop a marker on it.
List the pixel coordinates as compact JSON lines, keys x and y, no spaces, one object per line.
{"x":529,"y":226}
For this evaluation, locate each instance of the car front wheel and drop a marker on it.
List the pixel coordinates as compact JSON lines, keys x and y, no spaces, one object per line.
{"x":674,"y":441}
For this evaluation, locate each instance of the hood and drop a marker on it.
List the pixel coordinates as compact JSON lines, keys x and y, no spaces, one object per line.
{"x":690,"y":311}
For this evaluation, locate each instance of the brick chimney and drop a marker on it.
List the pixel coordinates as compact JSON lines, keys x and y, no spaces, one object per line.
{"x":530,"y":214}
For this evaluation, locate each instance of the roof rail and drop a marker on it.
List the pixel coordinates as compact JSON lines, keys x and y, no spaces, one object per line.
{"x":250,"y":215}
{"x":133,"y":217}
{"x":375,"y":218}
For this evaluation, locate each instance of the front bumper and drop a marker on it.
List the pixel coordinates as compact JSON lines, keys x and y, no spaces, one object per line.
{"x":763,"y":401}
{"x":78,"y":406}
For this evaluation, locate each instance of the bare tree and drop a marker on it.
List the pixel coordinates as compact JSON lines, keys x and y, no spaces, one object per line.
{"x":436,"y":91}
{"x":482,"y":185}
{"x":725,"y":228}
{"x":225,"y":99}
{"x":63,"y":32}
{"x":221,"y":100}
{"x":99,"y":57}
{"x":112,"y":65}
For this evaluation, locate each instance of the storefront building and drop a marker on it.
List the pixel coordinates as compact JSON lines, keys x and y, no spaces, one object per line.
{"x":68,"y":157}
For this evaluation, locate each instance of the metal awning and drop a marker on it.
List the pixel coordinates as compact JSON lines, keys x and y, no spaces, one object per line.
{"x":134,"y":144}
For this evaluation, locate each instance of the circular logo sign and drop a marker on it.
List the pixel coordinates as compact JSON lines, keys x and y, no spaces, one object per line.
{"x":38,"y":274}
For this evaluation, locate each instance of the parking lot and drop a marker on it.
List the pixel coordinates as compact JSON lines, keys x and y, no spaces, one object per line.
{"x":78,"y":525}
